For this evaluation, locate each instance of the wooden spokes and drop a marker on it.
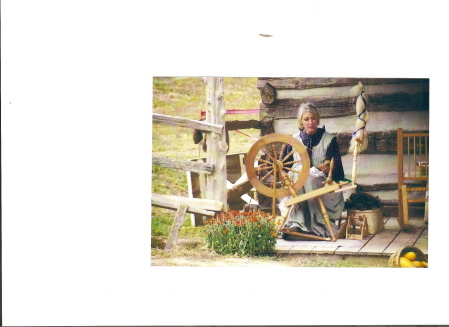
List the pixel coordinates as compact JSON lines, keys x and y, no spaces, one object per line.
{"x":265,"y":165}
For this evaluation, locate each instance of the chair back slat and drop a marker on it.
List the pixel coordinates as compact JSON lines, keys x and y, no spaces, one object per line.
{"x":413,"y":156}
{"x":413,"y":166}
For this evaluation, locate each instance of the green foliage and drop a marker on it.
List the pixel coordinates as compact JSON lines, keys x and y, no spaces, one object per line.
{"x":161,"y":221}
{"x":169,"y":181}
{"x":242,"y":233}
{"x":187,"y":231}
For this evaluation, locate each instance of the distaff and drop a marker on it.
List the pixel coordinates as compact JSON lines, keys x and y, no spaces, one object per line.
{"x":359,"y":140}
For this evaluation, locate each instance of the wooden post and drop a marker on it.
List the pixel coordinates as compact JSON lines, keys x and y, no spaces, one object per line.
{"x":399,"y":141}
{"x":177,"y":223}
{"x":354,"y":164}
{"x":404,"y":201}
{"x":326,"y":218}
{"x":197,"y":220}
{"x":242,"y":164}
{"x":216,"y":142}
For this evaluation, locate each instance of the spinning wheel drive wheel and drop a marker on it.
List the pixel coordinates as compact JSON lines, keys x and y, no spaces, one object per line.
{"x":265,"y":165}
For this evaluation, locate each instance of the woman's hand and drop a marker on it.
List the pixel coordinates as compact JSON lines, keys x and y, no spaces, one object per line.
{"x":324,"y":168}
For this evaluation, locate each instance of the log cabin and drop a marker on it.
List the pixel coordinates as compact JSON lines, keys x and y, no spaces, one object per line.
{"x":392,"y":103}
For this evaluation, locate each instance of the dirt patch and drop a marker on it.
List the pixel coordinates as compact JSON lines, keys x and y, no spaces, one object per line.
{"x":209,"y":259}
{"x":194,"y":253}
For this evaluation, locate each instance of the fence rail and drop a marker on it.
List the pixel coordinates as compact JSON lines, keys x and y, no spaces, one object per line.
{"x":189,"y":123}
{"x":187,"y":165}
{"x":199,"y":206}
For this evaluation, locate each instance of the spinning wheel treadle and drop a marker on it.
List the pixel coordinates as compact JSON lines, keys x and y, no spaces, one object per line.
{"x":265,"y":161}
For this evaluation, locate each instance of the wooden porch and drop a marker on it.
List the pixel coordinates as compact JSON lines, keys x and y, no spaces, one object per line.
{"x":383,"y":244}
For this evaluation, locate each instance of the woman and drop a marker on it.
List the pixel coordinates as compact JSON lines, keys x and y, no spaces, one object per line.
{"x":306,"y":217}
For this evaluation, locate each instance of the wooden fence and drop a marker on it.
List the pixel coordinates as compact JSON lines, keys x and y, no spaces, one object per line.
{"x":214,"y":168}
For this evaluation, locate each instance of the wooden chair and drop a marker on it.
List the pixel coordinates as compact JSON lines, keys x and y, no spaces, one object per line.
{"x":413,"y":171}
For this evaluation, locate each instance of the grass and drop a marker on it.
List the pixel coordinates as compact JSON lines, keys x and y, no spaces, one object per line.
{"x":186,"y":97}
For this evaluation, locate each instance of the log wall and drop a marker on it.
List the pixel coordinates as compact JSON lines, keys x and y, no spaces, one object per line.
{"x":392,"y":103}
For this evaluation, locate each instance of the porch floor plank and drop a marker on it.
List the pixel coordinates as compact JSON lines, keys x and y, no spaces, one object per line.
{"x":325,"y":249}
{"x":352,"y":246}
{"x":381,"y":240}
{"x":383,"y":244}
{"x":406,"y":238}
{"x":284,"y":246}
{"x":308,"y":246}
{"x":423,"y":240}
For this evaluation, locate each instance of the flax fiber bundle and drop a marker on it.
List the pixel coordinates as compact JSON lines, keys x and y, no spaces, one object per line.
{"x":359,"y":140}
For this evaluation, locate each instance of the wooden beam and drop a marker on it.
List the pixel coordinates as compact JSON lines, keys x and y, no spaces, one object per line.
{"x":206,"y":204}
{"x":189,"y":123}
{"x":233,"y":125}
{"x":312,"y":194}
{"x":181,"y":164}
{"x":341,"y":106}
{"x":194,"y":210}
{"x":384,"y":142}
{"x":238,"y":189}
{"x":268,"y":94}
{"x":378,"y":142}
{"x":176,"y":227}
{"x":216,"y":143}
{"x":310,"y":83}
{"x":201,"y":206}
{"x":417,"y":200}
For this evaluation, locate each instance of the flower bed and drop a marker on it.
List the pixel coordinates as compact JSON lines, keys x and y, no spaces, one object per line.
{"x":243,"y":233}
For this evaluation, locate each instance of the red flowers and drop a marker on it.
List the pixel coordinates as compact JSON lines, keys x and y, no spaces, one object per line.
{"x":239,"y":218}
{"x":242,"y":233}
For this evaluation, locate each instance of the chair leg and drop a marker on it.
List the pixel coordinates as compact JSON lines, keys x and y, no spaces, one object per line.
{"x":400,"y":209}
{"x":426,"y":209}
{"x":405,"y":206}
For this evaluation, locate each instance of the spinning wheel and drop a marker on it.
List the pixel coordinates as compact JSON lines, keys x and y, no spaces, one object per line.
{"x":265,"y":165}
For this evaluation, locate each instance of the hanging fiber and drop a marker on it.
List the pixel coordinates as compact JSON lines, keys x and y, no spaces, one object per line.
{"x":359,"y":140}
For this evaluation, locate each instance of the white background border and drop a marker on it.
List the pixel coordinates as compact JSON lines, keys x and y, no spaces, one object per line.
{"x":76,"y":157}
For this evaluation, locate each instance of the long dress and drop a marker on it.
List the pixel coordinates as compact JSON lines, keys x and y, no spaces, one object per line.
{"x":307,"y":214}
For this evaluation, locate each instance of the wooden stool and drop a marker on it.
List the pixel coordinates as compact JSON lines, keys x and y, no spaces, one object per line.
{"x":356,"y":228}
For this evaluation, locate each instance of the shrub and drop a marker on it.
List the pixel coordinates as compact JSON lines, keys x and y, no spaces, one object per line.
{"x":242,"y":233}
